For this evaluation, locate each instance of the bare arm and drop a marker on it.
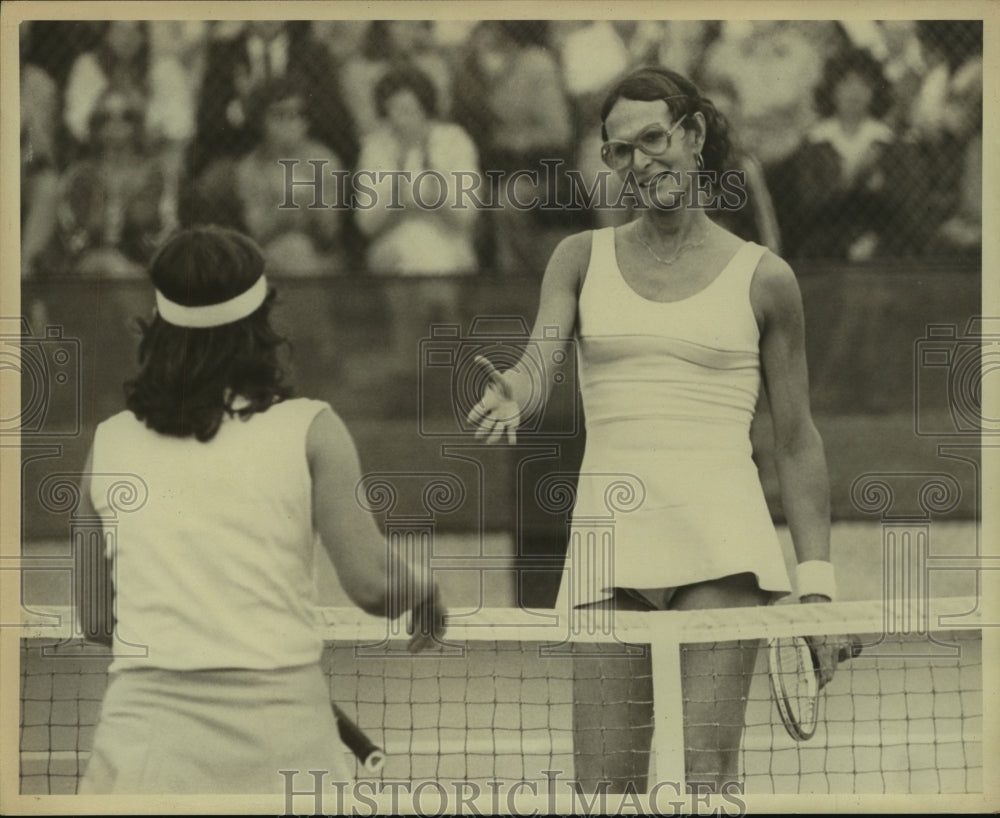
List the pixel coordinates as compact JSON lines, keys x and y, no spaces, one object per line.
{"x":798,"y":448}
{"x":512,"y":394}
{"x":349,"y":532}
{"x":799,"y":454}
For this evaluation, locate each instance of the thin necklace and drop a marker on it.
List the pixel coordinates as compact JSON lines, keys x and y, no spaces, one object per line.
{"x":680,"y":250}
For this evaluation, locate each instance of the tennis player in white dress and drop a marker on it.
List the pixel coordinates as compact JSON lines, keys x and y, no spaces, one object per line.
{"x":216,"y":684}
{"x":679,"y":324}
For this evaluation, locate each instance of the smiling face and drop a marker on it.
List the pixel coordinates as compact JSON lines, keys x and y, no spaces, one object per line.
{"x":661,"y":177}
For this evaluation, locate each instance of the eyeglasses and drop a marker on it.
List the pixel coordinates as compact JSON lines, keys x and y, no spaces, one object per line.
{"x":652,"y":141}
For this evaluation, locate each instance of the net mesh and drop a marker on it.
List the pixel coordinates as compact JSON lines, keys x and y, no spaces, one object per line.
{"x":903,"y":717}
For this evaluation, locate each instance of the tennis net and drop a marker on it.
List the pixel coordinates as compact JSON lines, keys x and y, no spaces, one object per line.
{"x":497,"y":702}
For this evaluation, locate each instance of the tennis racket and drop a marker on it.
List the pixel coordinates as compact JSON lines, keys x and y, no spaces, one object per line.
{"x":371,"y":756}
{"x":794,"y":674}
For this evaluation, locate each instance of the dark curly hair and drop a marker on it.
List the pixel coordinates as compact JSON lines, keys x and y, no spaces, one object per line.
{"x":681,"y":96}
{"x":189,"y":379}
{"x":862,"y":64}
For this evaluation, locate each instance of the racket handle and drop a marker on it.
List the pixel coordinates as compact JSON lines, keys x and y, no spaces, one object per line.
{"x":371,"y":756}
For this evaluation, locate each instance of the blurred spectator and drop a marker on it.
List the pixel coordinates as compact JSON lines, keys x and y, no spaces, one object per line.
{"x":592,"y":56}
{"x":125,"y":61}
{"x":422,"y":237}
{"x":962,"y":232}
{"x":934,"y":204}
{"x":177,"y":62}
{"x":511,"y":99}
{"x":39,"y":165}
{"x":946,"y":45}
{"x":894,"y":43}
{"x":388,"y":44}
{"x":238,"y":64}
{"x":343,"y":40}
{"x":832,"y":186}
{"x":756,"y":220}
{"x":109,"y":201}
{"x":775,"y":66}
{"x":250,"y":193}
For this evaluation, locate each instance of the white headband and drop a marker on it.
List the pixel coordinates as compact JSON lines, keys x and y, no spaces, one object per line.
{"x":212,"y":315}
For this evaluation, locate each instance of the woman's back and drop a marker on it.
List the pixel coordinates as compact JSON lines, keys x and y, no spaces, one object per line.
{"x":214,"y":569}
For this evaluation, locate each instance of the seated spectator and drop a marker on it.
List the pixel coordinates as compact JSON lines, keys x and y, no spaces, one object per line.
{"x":418,"y":239}
{"x":511,"y":99}
{"x":109,"y":202}
{"x":249,"y":193}
{"x":894,"y":43}
{"x":832,"y":186}
{"x":237,"y":65}
{"x":389,"y":44}
{"x":124,"y":61}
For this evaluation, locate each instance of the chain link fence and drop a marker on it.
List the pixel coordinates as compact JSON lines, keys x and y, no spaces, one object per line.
{"x":859,"y":141}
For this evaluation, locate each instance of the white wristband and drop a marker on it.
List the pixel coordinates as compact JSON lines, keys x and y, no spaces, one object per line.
{"x":815,"y":577}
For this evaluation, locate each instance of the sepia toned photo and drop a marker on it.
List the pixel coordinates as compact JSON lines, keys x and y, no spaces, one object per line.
{"x":483,"y":408}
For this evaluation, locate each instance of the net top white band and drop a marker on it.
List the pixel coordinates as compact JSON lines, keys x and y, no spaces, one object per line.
{"x":212,"y":315}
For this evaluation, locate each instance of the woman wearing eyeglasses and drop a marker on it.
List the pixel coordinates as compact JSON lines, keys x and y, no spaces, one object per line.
{"x":677,"y":323}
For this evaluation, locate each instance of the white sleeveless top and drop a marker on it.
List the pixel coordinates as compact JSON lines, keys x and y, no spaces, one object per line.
{"x":214,"y":570}
{"x":668,"y":494}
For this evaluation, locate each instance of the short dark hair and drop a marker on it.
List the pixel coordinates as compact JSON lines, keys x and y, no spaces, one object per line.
{"x":859,"y":62}
{"x":682,"y":97}
{"x":406,"y":78}
{"x":190,"y":378}
{"x":269,"y":93}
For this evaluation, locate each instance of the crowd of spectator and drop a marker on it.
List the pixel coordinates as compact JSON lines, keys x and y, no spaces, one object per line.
{"x":857,"y":140}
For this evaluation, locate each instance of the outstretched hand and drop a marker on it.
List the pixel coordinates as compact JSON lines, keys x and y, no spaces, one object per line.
{"x":497,"y":414}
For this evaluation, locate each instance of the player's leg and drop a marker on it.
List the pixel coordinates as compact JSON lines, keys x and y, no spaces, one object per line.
{"x":715,"y":682}
{"x":612,"y":711}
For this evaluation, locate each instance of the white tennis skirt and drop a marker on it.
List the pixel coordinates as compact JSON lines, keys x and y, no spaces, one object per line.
{"x":215,"y":731}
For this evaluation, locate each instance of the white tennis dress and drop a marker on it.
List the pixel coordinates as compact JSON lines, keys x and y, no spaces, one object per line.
{"x":216,"y":684}
{"x":668,"y":494}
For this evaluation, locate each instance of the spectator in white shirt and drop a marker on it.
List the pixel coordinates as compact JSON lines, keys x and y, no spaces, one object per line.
{"x":421,"y":225}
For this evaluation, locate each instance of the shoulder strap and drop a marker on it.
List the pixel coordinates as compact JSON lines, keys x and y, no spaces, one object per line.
{"x":744,"y":263}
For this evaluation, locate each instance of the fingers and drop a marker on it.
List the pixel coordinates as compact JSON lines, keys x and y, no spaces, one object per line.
{"x":426,"y":626}
{"x":824,"y":655}
{"x":495,"y":416}
{"x":488,"y":368}
{"x":829,"y":651}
